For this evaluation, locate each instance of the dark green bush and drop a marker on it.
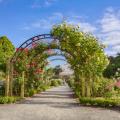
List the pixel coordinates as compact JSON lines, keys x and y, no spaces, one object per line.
{"x":54,"y":83}
{"x":59,"y":82}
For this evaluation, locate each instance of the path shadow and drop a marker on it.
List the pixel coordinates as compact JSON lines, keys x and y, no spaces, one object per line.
{"x":50,"y":98}
{"x":63,"y":105}
{"x":53,"y":96}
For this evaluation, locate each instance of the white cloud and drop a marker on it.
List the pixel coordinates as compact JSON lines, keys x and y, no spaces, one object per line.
{"x":87,"y":27}
{"x":84,"y":26}
{"x":117,"y":48}
{"x":110,"y":30}
{"x":55,"y":18}
{"x":45,"y":3}
{"x":107,"y":28}
{"x":110,"y":21}
{"x":45,"y":23}
{"x":111,"y":53}
{"x":111,"y":38}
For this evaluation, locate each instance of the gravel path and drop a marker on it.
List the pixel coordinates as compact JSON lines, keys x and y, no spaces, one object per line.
{"x":54,"y":104}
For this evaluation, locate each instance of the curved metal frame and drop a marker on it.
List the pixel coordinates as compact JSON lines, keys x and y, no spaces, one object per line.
{"x":37,"y":40}
{"x":28,"y":42}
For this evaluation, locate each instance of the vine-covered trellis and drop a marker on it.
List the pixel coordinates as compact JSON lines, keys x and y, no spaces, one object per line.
{"x":82,"y":51}
{"x":42,"y":47}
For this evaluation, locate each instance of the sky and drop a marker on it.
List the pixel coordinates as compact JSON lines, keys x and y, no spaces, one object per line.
{"x":22,"y":19}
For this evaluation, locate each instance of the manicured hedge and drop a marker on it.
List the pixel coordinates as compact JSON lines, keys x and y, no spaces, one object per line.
{"x":100,"y":102}
{"x":7,"y":100}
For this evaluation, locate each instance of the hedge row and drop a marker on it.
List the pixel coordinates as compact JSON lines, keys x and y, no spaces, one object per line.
{"x":100,"y":102}
{"x":6,"y":100}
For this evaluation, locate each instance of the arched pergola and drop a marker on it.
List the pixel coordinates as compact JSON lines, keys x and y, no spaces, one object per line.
{"x":33,"y":44}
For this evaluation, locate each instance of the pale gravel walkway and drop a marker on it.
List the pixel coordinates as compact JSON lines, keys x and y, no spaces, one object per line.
{"x":54,"y":104}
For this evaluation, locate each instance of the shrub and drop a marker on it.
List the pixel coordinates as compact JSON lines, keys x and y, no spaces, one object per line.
{"x":71,"y":83}
{"x":44,"y":87}
{"x":56,"y":82}
{"x":30,"y":93}
{"x":59,"y":82}
{"x":6,"y":100}
{"x":100,"y":102}
{"x":108,"y":94}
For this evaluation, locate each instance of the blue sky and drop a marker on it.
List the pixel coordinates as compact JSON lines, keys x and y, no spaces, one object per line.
{"x":22,"y":19}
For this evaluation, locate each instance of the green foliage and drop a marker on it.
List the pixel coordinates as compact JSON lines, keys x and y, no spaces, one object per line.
{"x":113,"y":66}
{"x":117,"y":74}
{"x":101,"y":87}
{"x":31,"y":92}
{"x":83,"y":52}
{"x":21,"y":62}
{"x":7,"y":100}
{"x":100,"y":102}
{"x":57,"y":71}
{"x":16,"y":86}
{"x":71,"y":83}
{"x":59,"y":82}
{"x":6,"y":51}
{"x":56,"y":82}
{"x":108,"y":94}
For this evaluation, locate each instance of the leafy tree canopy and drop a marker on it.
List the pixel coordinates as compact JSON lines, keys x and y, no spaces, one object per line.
{"x":113,"y":66}
{"x":6,"y":51}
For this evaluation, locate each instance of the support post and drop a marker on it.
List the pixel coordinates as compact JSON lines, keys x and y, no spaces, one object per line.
{"x":11,"y":79}
{"x":7,"y":78}
{"x":88,"y":88}
{"x":22,"y":85}
{"x":83,"y":87}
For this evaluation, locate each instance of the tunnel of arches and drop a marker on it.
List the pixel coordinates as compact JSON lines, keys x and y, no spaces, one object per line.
{"x":82,"y":51}
{"x":30,"y":64}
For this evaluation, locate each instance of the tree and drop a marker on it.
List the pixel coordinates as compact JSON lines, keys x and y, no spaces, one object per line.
{"x":6,"y":51}
{"x":113,"y":66}
{"x":57,"y":71}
